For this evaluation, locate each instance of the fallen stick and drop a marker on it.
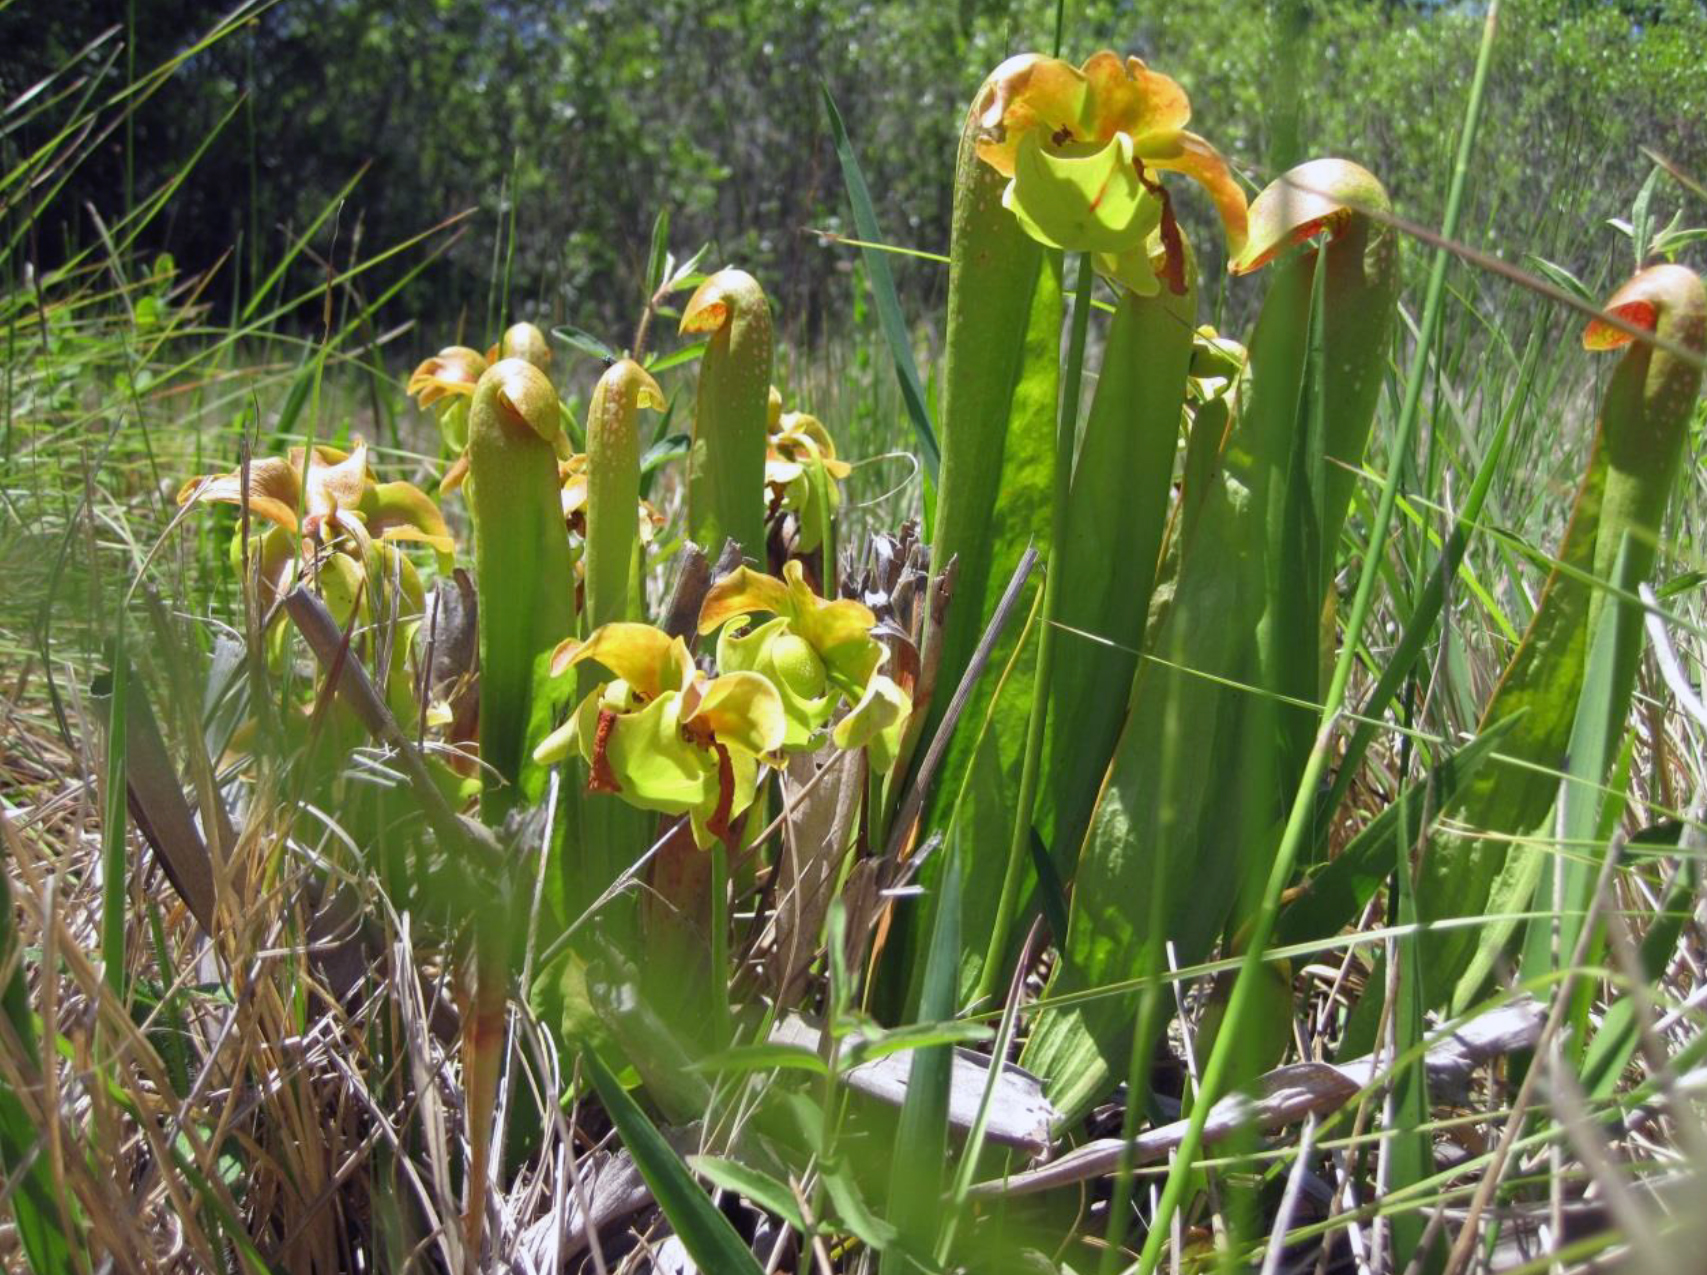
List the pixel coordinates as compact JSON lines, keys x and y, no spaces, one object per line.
{"x":1287,"y":1095}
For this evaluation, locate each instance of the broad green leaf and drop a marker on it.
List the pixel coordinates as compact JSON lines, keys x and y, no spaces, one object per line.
{"x":998,"y":465}
{"x":1567,"y":879}
{"x":522,"y":568}
{"x":613,"y":489}
{"x":1001,"y":378}
{"x":1334,"y":896}
{"x":854,"y":1213}
{"x":1192,"y":795}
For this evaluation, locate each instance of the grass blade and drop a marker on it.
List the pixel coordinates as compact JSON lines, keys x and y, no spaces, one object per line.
{"x":709,"y":1238}
{"x":883,"y":293}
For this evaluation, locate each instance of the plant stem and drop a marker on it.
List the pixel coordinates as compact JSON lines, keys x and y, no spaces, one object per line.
{"x":113,"y":869}
{"x":1066,"y":431}
{"x":719,"y":921}
{"x":1300,"y":820}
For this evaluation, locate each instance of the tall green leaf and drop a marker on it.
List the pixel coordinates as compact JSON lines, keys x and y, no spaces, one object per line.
{"x":1192,"y":791}
{"x":1121,"y":490}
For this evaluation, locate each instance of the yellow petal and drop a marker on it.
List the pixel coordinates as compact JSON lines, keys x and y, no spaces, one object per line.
{"x":648,"y":659}
{"x":1027,"y":92}
{"x":1125,"y":96}
{"x":453,"y":371}
{"x":742,"y":710}
{"x":274,"y":487}
{"x":876,"y":722}
{"x":454,"y":476}
{"x":1091,"y":202}
{"x":742,"y":592}
{"x":402,"y":511}
{"x":340,"y":485}
{"x":839,"y":631}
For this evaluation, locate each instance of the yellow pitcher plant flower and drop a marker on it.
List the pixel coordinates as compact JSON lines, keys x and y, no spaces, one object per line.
{"x":818,"y":653}
{"x":1082,"y":147}
{"x":448,"y":378}
{"x":802,"y":472}
{"x":327,"y":512}
{"x":661,"y":734}
{"x":336,"y":495}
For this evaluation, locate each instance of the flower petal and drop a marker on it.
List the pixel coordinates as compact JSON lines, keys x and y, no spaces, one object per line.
{"x":1128,"y":97}
{"x":653,"y":765}
{"x":806,"y":701}
{"x":648,"y":659}
{"x":1187,"y":153}
{"x":454,"y":476}
{"x":452,"y":372}
{"x":274,"y":488}
{"x":742,"y":592}
{"x":743,"y":710}
{"x":402,"y":511}
{"x":876,"y":722}
{"x":339,"y":485}
{"x":1027,"y":93}
{"x":839,"y":631}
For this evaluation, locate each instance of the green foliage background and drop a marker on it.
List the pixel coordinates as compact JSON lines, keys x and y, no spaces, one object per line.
{"x":593,"y":115}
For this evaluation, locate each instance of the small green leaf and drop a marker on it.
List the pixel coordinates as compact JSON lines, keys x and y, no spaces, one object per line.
{"x":659,"y":260}
{"x":760,"y":1188}
{"x":586,"y":343}
{"x":656,"y":363}
{"x":1560,"y":277}
{"x":880,"y":1044}
{"x":854,"y":1213}
{"x":763,"y":1057}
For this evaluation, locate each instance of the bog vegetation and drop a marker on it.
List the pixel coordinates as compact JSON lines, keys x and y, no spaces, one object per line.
{"x":1189,"y":756}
